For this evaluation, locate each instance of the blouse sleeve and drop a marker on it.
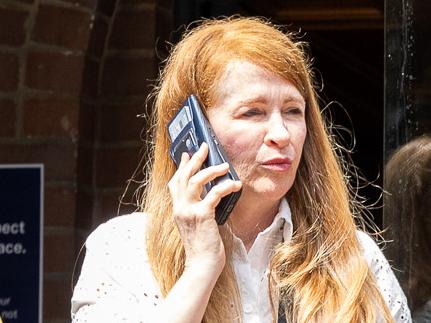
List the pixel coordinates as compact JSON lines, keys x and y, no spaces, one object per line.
{"x":115,"y":284}
{"x":386,"y":280}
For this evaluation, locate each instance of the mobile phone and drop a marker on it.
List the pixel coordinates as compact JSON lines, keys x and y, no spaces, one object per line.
{"x":188,"y":129}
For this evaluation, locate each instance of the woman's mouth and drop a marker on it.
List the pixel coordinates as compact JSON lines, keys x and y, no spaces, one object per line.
{"x":277,"y":164}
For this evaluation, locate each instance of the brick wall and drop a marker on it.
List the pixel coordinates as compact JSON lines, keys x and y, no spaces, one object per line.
{"x":74,"y":76}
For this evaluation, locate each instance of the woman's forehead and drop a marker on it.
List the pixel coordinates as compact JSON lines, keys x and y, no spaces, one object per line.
{"x":252,"y":81}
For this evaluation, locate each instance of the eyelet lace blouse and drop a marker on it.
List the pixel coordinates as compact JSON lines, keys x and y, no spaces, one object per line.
{"x":116,"y":283}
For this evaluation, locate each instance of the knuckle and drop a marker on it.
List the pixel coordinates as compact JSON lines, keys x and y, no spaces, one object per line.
{"x":212,"y":199}
{"x":201,"y":155}
{"x":218,"y":189}
{"x":193,"y":181}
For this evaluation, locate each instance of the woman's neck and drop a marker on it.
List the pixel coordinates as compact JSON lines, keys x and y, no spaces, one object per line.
{"x":250,"y":216}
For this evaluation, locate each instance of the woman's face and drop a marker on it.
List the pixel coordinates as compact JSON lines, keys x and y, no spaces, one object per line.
{"x":259,"y":119}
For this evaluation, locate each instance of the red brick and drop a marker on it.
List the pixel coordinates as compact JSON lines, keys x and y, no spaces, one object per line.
{"x":60,"y":206}
{"x":7,"y":118}
{"x":60,"y":26}
{"x":121,"y":122}
{"x":9,"y":72}
{"x":12,"y":31}
{"x":51,"y":117}
{"x":59,"y":159}
{"x":128,"y":75}
{"x":59,"y":251}
{"x":114,"y":166}
{"x":57,"y":293}
{"x":133,"y":30}
{"x":54,"y":71}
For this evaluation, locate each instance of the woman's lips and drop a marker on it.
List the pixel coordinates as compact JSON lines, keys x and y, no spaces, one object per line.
{"x":277,"y":164}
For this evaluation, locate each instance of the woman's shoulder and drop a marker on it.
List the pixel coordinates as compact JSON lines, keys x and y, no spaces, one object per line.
{"x":385,"y":278}
{"x":372,"y":253}
{"x":120,"y":231}
{"x":123,"y":222}
{"x":116,"y":271}
{"x":126,"y":220}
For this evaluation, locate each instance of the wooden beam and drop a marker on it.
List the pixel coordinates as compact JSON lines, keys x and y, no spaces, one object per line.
{"x":331,"y":18}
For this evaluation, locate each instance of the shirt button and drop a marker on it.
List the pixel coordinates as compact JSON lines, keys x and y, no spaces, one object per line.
{"x":247,"y":308}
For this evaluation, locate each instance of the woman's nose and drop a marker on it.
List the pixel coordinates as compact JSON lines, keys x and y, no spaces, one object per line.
{"x":277,"y":132}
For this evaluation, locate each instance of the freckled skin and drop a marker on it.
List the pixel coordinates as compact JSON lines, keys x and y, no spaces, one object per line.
{"x":274,"y":128}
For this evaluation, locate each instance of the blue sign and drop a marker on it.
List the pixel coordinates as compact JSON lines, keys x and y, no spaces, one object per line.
{"x":21,"y":241}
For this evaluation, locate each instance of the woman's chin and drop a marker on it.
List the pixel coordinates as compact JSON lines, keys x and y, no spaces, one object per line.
{"x":266,"y":190}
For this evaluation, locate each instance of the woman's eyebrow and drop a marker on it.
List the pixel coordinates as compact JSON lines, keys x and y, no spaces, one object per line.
{"x":296,"y":99}
{"x":258,"y":99}
{"x":263,"y":100}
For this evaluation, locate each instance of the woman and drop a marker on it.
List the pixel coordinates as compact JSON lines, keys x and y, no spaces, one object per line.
{"x":290,"y":244}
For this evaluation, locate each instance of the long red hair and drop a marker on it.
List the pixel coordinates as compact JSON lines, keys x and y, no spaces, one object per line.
{"x":320,"y":275}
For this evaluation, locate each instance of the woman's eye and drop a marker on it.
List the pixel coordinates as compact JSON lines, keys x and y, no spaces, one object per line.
{"x":252,"y":113}
{"x":294,"y":111}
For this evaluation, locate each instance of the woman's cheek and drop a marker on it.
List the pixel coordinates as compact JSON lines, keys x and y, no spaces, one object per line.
{"x":242,"y":157}
{"x":234,"y":148}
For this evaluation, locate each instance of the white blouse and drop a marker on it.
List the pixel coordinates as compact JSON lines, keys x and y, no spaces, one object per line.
{"x":116,"y":283}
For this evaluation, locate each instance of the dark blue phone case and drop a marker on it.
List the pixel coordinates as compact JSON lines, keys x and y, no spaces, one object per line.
{"x":196,"y":131}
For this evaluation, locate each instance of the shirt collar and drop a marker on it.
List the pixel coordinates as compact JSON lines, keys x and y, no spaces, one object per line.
{"x":282,"y":221}
{"x":266,"y":240}
{"x":285,"y":213}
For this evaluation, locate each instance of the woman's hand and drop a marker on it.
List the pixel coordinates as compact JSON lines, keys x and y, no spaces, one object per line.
{"x":195,"y":216}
